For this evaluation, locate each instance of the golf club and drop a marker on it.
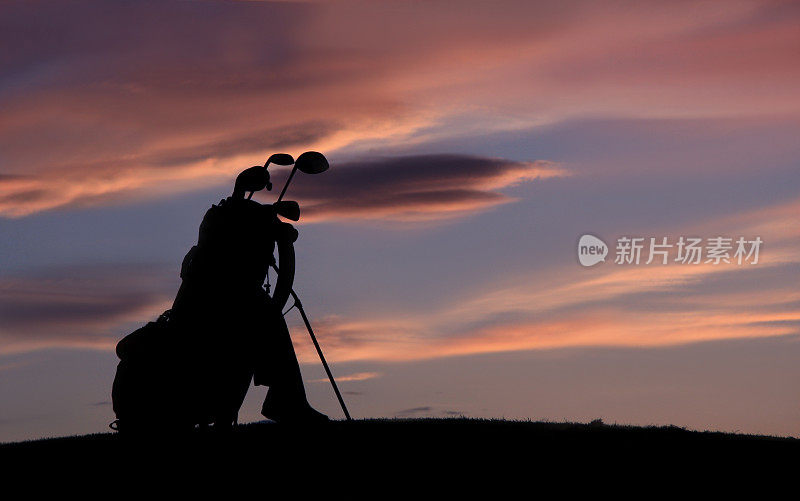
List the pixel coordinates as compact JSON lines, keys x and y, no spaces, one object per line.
{"x":297,"y":304}
{"x":310,"y":162}
{"x":277,"y":159}
{"x":288,"y":209}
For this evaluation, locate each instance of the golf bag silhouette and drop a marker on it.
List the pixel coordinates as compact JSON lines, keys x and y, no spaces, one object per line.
{"x":194,"y":365}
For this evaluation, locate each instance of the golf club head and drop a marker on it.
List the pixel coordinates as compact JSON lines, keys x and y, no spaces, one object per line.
{"x":255,"y":178}
{"x":288,"y":209}
{"x":312,"y":162}
{"x":280,"y":159}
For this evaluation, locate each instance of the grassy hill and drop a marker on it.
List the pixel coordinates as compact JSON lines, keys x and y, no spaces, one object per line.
{"x":402,"y":453}
{"x":485,"y":434}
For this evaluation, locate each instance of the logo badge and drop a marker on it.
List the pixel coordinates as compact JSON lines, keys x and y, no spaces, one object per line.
{"x":591,"y":250}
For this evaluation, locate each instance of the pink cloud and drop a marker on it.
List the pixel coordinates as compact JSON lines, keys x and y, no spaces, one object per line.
{"x":134,"y":97}
{"x":79,"y":307}
{"x":626,"y":306}
{"x":633,"y":306}
{"x":358,"y":376}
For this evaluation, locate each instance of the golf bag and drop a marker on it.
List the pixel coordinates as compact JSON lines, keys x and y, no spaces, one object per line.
{"x":141,"y":394}
{"x":166,"y":382}
{"x":194,"y":365}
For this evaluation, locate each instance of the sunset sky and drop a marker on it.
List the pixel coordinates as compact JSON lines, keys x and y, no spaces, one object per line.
{"x":471,"y":145}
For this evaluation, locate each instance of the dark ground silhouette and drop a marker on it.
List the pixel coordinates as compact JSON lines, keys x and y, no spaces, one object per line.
{"x":405,"y":450}
{"x":387,"y":437}
{"x":418,"y":459}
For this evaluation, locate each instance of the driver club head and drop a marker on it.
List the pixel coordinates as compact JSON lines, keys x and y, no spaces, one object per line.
{"x":280,"y":159}
{"x":288,"y":209}
{"x":311,"y":162}
{"x":253,"y":179}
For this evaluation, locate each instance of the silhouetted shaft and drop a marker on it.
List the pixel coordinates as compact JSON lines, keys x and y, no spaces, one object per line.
{"x":299,"y":306}
{"x":289,"y":180}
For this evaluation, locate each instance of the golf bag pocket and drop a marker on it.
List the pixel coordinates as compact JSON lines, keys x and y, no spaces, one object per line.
{"x":143,"y":392}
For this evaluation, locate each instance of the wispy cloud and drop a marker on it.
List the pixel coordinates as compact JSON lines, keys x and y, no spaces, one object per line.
{"x":633,"y":306}
{"x":139,"y":100}
{"x":425,"y":409}
{"x":358,"y":376}
{"x":79,"y":306}
{"x":416,"y":188}
{"x":611,"y":305}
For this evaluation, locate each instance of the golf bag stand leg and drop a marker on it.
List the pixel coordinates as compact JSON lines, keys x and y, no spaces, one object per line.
{"x":302,"y":311}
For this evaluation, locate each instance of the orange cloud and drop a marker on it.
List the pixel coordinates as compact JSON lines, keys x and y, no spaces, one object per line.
{"x":358,"y":376}
{"x":101,"y":111}
{"x":78,"y":307}
{"x":612,"y":305}
{"x":633,"y":306}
